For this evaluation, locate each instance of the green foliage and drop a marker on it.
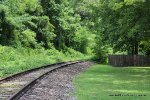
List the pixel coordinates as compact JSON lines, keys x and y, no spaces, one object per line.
{"x":121,"y":24}
{"x":31,"y":33}
{"x":14,"y":60}
{"x":19,"y":7}
{"x":27,"y":38}
{"x":66,"y":24}
{"x":83,"y":40}
{"x":18,"y":18}
{"x":43,"y":29}
{"x":87,"y":26}
{"x":54,"y":23}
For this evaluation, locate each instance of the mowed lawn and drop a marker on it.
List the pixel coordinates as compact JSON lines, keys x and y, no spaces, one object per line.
{"x":104,"y":82}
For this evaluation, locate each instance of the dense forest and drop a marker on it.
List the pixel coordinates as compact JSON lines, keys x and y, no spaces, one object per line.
{"x":38,"y":30}
{"x":46,"y":23}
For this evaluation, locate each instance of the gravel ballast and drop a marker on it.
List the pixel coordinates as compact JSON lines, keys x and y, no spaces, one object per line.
{"x":57,"y":85}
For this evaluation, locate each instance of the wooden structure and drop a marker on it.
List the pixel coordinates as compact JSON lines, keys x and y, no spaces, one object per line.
{"x":128,"y":60}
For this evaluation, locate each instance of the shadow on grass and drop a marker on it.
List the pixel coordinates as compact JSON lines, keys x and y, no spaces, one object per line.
{"x":104,"y":80}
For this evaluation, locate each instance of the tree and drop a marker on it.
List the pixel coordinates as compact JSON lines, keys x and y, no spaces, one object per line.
{"x":65,"y":21}
{"x":21,"y":18}
{"x":122,"y":24}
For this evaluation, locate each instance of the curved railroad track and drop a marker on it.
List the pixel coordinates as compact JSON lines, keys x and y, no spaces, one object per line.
{"x":13,"y":87}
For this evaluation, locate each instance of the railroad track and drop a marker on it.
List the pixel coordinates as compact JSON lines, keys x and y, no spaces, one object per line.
{"x":13,"y":87}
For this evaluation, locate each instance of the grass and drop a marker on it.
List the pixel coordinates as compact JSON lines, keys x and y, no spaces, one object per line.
{"x":103,"y":82}
{"x":14,"y":60}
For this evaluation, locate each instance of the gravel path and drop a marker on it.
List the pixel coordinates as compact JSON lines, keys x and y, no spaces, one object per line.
{"x":57,"y":85}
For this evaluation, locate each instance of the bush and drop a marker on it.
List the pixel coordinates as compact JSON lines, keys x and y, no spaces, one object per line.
{"x":13,"y":60}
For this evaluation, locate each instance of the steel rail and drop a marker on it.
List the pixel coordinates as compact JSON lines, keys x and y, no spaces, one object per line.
{"x":27,"y":71}
{"x":25,"y":88}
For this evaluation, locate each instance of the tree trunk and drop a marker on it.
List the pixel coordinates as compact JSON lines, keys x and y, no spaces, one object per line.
{"x":136,"y":48}
{"x":132,"y":49}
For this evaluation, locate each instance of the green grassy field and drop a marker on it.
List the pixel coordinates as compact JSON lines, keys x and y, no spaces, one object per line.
{"x":103,"y":82}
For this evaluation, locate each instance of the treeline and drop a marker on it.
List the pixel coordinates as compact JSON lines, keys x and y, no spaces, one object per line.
{"x":88,"y":26}
{"x":42,"y":23}
{"x":120,"y":26}
{"x":124,"y":25}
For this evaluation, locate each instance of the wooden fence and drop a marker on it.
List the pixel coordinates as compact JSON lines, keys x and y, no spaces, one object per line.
{"x":128,"y":60}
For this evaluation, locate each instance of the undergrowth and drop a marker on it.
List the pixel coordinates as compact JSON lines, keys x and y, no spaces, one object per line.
{"x":14,"y":60}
